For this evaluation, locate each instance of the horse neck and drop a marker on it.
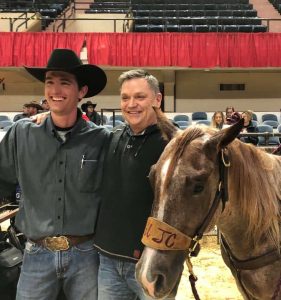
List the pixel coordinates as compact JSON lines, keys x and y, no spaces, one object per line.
{"x":234,"y":223}
{"x":232,"y":226}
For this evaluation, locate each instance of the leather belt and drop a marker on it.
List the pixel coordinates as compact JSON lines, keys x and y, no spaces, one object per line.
{"x":62,"y":242}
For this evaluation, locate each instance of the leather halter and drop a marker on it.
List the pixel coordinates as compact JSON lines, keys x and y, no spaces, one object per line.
{"x":251,"y":263}
{"x":221,"y":195}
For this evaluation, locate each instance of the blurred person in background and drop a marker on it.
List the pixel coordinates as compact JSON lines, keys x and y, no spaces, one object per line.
{"x":249,"y":128}
{"x":23,"y":115}
{"x":89,"y":109}
{"x":45,"y":105}
{"x":218,"y":120}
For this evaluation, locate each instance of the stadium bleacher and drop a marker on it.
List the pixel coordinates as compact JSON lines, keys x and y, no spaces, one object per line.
{"x":195,"y":16}
{"x":101,"y":7}
{"x":47,"y":9}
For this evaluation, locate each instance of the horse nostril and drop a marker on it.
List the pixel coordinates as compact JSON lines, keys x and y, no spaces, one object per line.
{"x":159,"y":283}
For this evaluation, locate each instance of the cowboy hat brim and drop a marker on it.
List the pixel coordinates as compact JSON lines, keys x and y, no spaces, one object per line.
{"x":90,"y":75}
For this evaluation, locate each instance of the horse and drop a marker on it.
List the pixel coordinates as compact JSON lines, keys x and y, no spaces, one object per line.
{"x":204,"y":178}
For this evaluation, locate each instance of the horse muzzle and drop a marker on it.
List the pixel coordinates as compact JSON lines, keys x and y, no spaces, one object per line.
{"x":158,"y":279}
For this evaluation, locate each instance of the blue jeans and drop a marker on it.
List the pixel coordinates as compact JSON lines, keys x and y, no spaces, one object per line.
{"x":117,"y":280}
{"x":45,"y":272}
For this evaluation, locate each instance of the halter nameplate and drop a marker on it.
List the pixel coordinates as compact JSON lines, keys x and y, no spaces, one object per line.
{"x":161,"y":236}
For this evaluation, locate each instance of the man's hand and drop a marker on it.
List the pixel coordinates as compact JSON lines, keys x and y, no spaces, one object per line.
{"x":39,"y":118}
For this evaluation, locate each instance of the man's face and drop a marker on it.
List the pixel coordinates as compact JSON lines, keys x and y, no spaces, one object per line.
{"x":137,"y":101}
{"x":90,"y":108}
{"x":45,"y":105}
{"x":32,"y":111}
{"x":62,"y":92}
{"x":25,"y":110}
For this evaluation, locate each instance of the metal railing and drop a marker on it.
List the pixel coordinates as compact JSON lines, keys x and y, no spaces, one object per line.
{"x":266,"y":136}
{"x":125,"y":20}
{"x":128,"y":20}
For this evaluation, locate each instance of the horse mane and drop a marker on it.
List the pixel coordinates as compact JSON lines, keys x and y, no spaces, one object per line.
{"x":255,"y":181}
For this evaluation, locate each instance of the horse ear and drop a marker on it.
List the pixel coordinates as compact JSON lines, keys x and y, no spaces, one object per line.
{"x":224,"y":137}
{"x":231,"y":133}
{"x":166,"y":126}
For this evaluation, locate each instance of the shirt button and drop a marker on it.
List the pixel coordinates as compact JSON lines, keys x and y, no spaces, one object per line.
{"x":60,"y":180}
{"x":61,"y":162}
{"x":59,"y":199}
{"x":58,"y":217}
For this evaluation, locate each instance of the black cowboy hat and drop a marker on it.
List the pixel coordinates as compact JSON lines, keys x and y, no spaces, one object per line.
{"x":67,"y":61}
{"x":84,"y":106}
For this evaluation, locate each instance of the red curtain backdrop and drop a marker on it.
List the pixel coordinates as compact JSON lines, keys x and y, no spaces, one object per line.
{"x":6,"y":49}
{"x":191,"y":50}
{"x":33,"y":49}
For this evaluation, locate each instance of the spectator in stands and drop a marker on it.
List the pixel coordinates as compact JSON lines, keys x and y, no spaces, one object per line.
{"x":126,"y":192}
{"x":228,"y":111}
{"x":45,"y":105}
{"x":23,"y":115}
{"x":89,"y":109}
{"x":249,"y":128}
{"x":218,"y":120}
{"x":33,"y":108}
{"x":61,"y":193}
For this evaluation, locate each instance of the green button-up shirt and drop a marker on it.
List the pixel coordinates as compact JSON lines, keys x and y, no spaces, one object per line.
{"x":59,"y":180}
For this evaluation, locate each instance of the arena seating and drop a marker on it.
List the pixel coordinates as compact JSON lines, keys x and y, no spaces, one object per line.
{"x":195,"y":16}
{"x":102,"y":7}
{"x":49,"y":9}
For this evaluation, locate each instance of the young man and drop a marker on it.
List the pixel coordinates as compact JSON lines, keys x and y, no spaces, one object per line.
{"x":58,"y":165}
{"x":126,"y":194}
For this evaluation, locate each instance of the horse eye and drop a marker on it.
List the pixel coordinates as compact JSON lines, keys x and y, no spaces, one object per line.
{"x":198,"y":188}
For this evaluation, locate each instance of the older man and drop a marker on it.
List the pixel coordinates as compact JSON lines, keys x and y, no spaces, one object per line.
{"x":126,"y":194}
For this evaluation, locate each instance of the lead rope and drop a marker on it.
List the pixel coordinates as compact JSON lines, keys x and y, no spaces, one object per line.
{"x":277,"y":290}
{"x":192,"y":278}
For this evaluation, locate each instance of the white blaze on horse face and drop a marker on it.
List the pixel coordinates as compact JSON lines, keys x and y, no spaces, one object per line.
{"x":150,"y":286}
{"x":162,"y":196}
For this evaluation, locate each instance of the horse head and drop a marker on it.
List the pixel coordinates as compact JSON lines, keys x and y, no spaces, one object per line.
{"x":185,"y":181}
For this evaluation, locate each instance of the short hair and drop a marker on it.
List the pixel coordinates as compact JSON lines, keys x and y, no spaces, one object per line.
{"x":139,"y":73}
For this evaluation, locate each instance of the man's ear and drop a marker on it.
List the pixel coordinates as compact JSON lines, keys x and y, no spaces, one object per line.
{"x":83,"y":91}
{"x":158,"y":100}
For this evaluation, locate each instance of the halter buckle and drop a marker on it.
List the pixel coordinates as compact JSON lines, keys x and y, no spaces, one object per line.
{"x":194,"y":247}
{"x":225,"y":162}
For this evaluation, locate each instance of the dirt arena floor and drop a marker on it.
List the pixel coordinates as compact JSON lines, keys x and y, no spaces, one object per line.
{"x":215,"y":281}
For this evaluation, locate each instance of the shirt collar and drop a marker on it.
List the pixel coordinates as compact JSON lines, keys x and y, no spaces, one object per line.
{"x":80,"y":123}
